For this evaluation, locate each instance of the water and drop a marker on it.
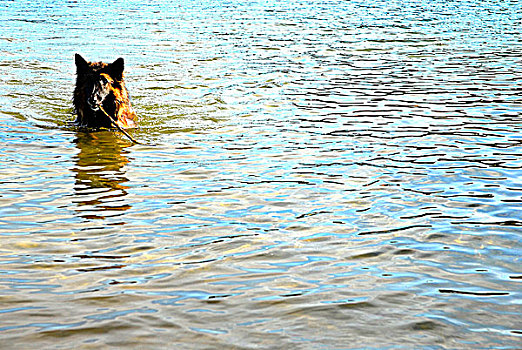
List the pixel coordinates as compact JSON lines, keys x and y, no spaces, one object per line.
{"x":317,"y":175}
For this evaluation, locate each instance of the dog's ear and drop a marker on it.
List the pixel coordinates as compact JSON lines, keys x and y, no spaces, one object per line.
{"x":116,"y":69}
{"x":82,"y":66}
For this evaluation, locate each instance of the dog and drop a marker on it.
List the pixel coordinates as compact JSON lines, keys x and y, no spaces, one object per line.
{"x":100,"y":97}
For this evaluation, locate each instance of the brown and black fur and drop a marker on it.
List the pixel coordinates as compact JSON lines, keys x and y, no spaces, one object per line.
{"x":100,"y":87}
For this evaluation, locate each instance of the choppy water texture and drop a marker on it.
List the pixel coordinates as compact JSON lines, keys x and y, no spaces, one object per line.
{"x":318,"y":175}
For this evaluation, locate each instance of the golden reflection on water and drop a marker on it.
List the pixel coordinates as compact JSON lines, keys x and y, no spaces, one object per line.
{"x":100,"y":175}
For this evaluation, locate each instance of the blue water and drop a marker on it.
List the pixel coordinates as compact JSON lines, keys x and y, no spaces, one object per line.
{"x":315,"y":175}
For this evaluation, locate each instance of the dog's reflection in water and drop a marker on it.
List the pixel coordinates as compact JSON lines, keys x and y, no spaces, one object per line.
{"x":100,"y":175}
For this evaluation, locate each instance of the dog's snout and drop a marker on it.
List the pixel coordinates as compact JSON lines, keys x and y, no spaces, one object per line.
{"x":93,"y":102}
{"x":94,"y":99}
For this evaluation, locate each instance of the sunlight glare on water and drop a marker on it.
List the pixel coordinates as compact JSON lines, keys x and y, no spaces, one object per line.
{"x":315,"y":175}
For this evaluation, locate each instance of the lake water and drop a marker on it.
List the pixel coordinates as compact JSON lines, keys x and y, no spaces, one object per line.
{"x":317,"y":175}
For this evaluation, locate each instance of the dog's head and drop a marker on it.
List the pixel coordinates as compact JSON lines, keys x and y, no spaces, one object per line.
{"x":99,"y":81}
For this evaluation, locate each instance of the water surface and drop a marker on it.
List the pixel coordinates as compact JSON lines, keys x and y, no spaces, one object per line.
{"x":317,"y":175}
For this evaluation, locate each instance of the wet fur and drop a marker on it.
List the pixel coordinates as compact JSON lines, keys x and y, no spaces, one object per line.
{"x":101,"y":84}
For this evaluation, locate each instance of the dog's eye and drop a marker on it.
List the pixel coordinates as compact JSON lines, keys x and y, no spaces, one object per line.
{"x":104,"y":80}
